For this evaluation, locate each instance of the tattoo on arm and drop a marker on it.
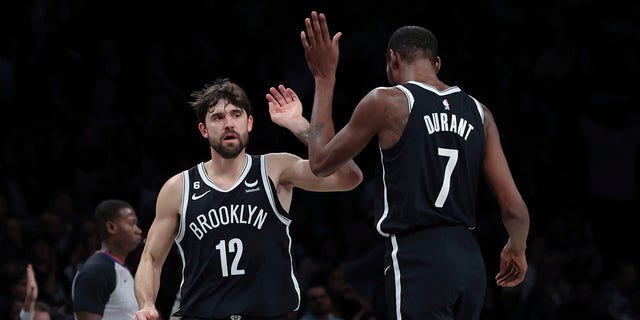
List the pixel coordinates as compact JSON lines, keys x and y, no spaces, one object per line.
{"x":303,"y":136}
{"x":315,"y":131}
{"x":398,"y":126}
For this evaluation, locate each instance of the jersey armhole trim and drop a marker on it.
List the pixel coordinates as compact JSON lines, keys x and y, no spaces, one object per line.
{"x":480,"y":109}
{"x":183,"y":206}
{"x":409,"y":95}
{"x":269,"y":192}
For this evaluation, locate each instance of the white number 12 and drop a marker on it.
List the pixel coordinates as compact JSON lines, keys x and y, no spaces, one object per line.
{"x":446,"y":183}
{"x":234,"y":244}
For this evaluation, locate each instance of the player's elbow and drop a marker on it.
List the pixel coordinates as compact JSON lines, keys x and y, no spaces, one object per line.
{"x":358,"y":177}
{"x":319,"y":170}
{"x":353,"y":177}
{"x":347,"y":177}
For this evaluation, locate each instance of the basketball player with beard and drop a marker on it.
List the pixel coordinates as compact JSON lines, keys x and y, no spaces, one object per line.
{"x":229,"y":215}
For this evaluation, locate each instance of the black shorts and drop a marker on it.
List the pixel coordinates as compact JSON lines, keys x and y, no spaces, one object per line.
{"x":436,"y":273}
{"x":236,"y":318}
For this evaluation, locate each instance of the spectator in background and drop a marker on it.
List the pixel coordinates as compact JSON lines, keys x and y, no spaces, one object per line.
{"x":631,"y":309}
{"x":616,"y":295}
{"x":12,"y":237}
{"x":32,"y":308}
{"x":14,"y":293}
{"x":44,"y":258}
{"x":84,"y":242}
{"x":16,"y":307}
{"x":347,"y":300}
{"x":319,"y":305}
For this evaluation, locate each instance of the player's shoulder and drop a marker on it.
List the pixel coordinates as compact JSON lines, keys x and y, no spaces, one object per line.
{"x":378,"y":98}
{"x":384,"y":95}
{"x":280,"y":158}
{"x":278,"y":162}
{"x":384,"y":91}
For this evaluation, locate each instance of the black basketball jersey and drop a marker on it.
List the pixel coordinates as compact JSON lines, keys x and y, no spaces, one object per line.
{"x":235,"y":247}
{"x":430,"y":176}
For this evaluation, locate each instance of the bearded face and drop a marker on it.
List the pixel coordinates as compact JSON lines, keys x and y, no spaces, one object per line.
{"x":227,"y":129}
{"x":230,"y":144}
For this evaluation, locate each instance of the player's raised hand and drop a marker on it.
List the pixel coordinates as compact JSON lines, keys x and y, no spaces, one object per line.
{"x":284,"y":105}
{"x":320,"y":50}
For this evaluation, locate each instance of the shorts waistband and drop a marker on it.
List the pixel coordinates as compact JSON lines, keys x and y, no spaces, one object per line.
{"x":235,"y":317}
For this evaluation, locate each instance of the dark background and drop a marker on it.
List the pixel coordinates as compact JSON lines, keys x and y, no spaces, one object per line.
{"x":94,"y":99}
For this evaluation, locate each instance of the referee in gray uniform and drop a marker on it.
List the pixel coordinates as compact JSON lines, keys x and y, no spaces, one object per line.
{"x":103,"y":287}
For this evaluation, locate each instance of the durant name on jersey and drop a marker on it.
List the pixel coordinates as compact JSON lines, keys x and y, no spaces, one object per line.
{"x":438,"y":122}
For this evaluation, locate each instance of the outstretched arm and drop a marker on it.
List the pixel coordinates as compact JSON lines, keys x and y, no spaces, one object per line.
{"x":159,"y":240}
{"x":322,"y":55}
{"x":515,"y":215}
{"x":285,"y":109}
{"x":328,"y":150}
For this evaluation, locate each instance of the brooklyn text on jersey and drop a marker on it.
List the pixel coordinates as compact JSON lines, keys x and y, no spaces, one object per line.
{"x":225,"y":215}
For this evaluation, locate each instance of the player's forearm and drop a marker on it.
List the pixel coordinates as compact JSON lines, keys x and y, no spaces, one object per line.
{"x":147,"y":282}
{"x":301,"y":130}
{"x":321,"y":127}
{"x":516,"y":222}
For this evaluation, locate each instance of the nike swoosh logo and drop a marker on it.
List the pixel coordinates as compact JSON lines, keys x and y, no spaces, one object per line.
{"x":385,"y":269}
{"x":251,"y":184}
{"x":196,"y":197}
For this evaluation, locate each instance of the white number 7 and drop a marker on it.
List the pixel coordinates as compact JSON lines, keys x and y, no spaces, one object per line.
{"x":446,"y":183}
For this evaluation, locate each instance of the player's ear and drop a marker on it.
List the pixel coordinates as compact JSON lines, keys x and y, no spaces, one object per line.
{"x":393,"y":59}
{"x":203,"y":129}
{"x":437,"y":64}
{"x":249,"y":123}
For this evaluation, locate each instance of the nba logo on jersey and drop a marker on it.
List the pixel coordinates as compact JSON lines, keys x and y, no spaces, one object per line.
{"x":235,"y":317}
{"x":446,"y":104}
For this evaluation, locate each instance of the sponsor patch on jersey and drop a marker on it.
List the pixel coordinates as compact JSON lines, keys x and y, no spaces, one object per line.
{"x":251,"y":190}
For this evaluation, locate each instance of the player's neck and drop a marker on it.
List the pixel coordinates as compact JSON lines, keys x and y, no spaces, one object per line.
{"x":422,"y":72}
{"x":224,"y":172}
{"x":432,"y":81}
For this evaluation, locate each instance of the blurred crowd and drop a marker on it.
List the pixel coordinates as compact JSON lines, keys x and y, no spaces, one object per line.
{"x":94,"y":100}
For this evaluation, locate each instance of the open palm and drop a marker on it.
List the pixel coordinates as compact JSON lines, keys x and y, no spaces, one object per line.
{"x":284,"y":105}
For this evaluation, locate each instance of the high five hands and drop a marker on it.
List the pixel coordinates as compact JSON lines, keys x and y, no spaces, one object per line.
{"x":320,"y":50}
